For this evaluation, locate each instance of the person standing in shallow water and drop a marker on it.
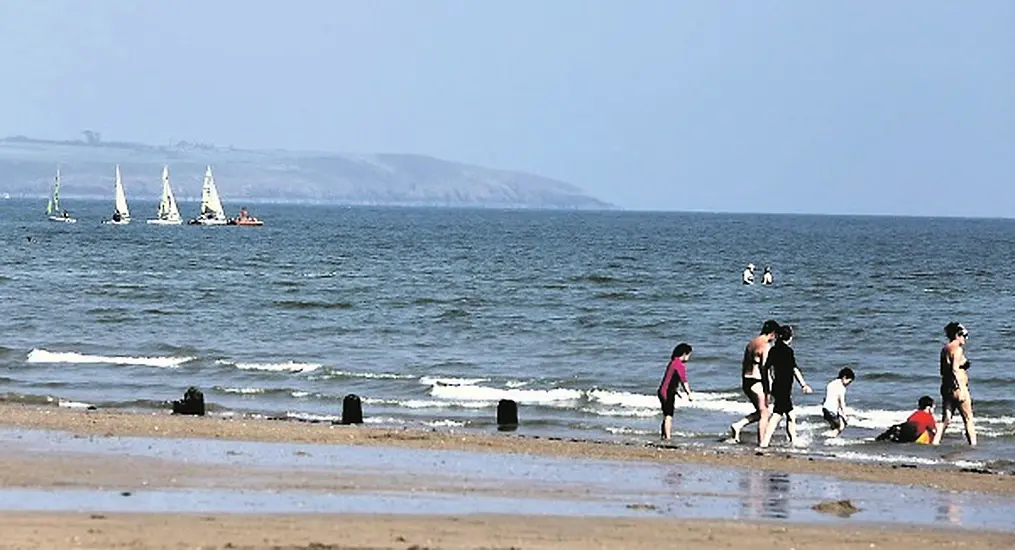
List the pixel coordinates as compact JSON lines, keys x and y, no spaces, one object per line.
{"x":754,"y":381}
{"x":674,"y":377}
{"x":766,"y":277}
{"x":955,"y":382}
{"x":782,"y":364}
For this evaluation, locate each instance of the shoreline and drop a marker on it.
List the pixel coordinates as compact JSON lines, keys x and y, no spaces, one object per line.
{"x":244,"y":428}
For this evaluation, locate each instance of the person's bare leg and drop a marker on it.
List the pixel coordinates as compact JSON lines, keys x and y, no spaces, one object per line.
{"x":791,"y":428}
{"x":773,"y":423}
{"x":946,"y":418}
{"x":667,"y":427}
{"x":739,"y":425}
{"x":763,"y":414}
{"x":966,"y":410}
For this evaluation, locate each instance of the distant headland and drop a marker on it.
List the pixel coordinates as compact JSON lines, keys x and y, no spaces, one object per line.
{"x":27,"y":166}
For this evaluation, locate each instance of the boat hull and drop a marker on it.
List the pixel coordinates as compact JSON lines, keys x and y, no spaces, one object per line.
{"x":114,"y":222}
{"x":165,"y":222}
{"x":62,"y":219}
{"x":200,"y":221}
{"x":247,"y":223}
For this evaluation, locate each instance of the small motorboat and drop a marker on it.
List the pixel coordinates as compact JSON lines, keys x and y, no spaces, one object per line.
{"x":245,"y":219}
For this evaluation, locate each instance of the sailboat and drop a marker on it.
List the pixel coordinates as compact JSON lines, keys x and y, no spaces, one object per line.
{"x":53,"y":207}
{"x":168,"y":213}
{"x":212,"y":212}
{"x":121,"y":216}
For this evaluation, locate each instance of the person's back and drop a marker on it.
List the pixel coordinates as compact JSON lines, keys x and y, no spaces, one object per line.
{"x":782,"y":361}
{"x":921,"y":422}
{"x":833,"y":391}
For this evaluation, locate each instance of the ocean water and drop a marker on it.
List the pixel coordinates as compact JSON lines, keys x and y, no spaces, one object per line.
{"x":432,"y":315}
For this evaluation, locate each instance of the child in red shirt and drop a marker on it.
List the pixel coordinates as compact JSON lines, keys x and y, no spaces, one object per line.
{"x":920,"y":427}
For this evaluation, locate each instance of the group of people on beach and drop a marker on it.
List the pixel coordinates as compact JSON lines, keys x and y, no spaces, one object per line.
{"x":769,"y":370}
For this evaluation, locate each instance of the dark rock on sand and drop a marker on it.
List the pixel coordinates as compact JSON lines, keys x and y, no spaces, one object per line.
{"x":841,"y":508}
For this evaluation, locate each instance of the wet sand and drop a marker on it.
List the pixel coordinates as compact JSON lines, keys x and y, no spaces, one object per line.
{"x":121,"y":423}
{"x":144,"y":531}
{"x":83,"y":472}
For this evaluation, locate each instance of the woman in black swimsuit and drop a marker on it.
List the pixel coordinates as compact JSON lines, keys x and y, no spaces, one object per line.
{"x":955,"y":382}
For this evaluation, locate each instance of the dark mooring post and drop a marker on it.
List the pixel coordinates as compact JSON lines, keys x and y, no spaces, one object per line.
{"x":192,"y":403}
{"x":352,"y":410}
{"x":507,"y":415}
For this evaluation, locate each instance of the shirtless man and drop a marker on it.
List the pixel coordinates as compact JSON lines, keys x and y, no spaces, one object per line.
{"x":955,"y":382}
{"x":755,"y":380}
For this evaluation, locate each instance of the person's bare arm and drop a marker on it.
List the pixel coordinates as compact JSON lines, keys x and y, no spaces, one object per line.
{"x":799,"y":375}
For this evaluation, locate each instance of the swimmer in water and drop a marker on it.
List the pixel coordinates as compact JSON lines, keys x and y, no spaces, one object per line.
{"x":955,"y":382}
{"x":748,"y":276}
{"x":754,"y":380}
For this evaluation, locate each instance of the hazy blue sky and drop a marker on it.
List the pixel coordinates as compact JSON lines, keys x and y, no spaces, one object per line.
{"x":805,"y":106}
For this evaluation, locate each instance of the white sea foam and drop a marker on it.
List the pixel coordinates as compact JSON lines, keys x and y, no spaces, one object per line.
{"x":516,"y":383}
{"x":299,"y":394}
{"x":429,"y":381}
{"x":244,"y":391}
{"x":624,"y":430}
{"x":643,"y":413}
{"x":290,"y":366}
{"x":624,"y":399}
{"x":446,"y":423}
{"x":43,"y":356}
{"x":483,"y":393}
{"x":74,"y":404}
{"x":429,"y":403}
{"x":648,"y":405}
{"x":312,"y":417}
{"x":368,"y":375}
{"x":902,"y":459}
{"x":387,"y":420}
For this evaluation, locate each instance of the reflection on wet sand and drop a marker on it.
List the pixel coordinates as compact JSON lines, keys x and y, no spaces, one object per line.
{"x":949,"y":510}
{"x":767,"y":494}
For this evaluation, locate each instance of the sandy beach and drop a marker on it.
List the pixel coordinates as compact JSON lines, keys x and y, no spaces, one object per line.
{"x":150,"y":532}
{"x":122,"y":423}
{"x":23,"y":468}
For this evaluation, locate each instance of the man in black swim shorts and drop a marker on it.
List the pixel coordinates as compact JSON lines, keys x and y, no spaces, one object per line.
{"x":754,"y":382}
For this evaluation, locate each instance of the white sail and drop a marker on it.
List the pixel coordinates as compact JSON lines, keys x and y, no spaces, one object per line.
{"x":121,"y":197}
{"x":211,"y":206}
{"x":172,"y":210}
{"x":53,"y":207}
{"x":168,"y":213}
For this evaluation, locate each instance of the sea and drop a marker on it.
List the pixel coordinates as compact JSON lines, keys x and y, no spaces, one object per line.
{"x":433,"y":315}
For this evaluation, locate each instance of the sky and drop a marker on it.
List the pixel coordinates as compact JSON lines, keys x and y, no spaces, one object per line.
{"x":846,"y":107}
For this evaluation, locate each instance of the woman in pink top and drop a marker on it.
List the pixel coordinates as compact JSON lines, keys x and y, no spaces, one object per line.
{"x":675,"y":376}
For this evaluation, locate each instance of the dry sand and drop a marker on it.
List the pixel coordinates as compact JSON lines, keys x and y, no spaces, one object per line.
{"x":122,"y":423}
{"x":150,"y":531}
